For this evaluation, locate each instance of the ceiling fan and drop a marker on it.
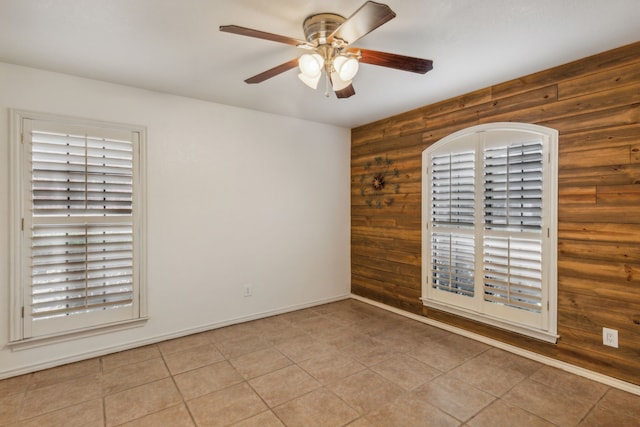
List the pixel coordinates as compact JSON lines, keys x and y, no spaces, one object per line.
{"x":328,"y":48}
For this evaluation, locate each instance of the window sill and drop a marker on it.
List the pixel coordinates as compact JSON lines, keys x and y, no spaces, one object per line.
{"x":479,"y":317}
{"x":42,"y":341}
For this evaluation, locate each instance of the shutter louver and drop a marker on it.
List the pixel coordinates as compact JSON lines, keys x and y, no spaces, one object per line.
{"x":80,"y":267}
{"x":512,"y":272}
{"x":453,"y":206}
{"x":81,"y":176}
{"x":82,"y":249}
{"x":513,"y":187}
{"x":453,"y":190}
{"x":452,"y":263}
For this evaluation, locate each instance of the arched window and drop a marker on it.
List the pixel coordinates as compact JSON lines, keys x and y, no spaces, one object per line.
{"x":489,"y":246}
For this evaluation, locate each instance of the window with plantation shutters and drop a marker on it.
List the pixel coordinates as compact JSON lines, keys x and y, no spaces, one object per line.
{"x":81,"y":235}
{"x":489,"y":226}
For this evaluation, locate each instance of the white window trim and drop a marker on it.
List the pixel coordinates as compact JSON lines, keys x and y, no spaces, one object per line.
{"x":548,"y":330}
{"x":16,"y":241}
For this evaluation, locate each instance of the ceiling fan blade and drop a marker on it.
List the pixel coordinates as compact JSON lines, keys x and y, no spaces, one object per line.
{"x":364,"y":20}
{"x":235,"y":29}
{"x":258,"y":78}
{"x":346,"y":92}
{"x":392,"y":60}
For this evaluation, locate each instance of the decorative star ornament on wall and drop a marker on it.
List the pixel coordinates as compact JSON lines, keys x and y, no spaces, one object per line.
{"x":377,"y":184}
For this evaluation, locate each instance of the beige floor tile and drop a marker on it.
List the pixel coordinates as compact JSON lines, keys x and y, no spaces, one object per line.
{"x":10,"y":408}
{"x":318,"y":408}
{"x":129,"y":357}
{"x":446,"y":353}
{"x":227,"y":406}
{"x":621,"y":402}
{"x":192,"y":358}
{"x":207,"y":379}
{"x":329,"y":335}
{"x":366,"y":391}
{"x":269,"y":324}
{"x":513,"y":362}
{"x":365,"y":349}
{"x":578,"y":388}
{"x":405,"y":371}
{"x":546,"y":402}
{"x":377,"y":356}
{"x":372,"y":326}
{"x":60,"y":395}
{"x":361,"y":422}
{"x":283,"y":385}
{"x":331,"y":367}
{"x":349,"y":316}
{"x":500,"y":413}
{"x":401,"y":341}
{"x":129,"y":376}
{"x":303,"y":347}
{"x":455,"y":397}
{"x":233,"y":332}
{"x":65,"y":372}
{"x":294,"y":317}
{"x":15,"y":385}
{"x":275,"y":329}
{"x":601,"y":417}
{"x":242,"y":345}
{"x":184,"y":343}
{"x":175,"y":416}
{"x":260,"y":362}
{"x":412,"y":409}
{"x":275,"y":337}
{"x":487,"y":377}
{"x":319,"y":325}
{"x":140,"y":401}
{"x":263,"y":419}
{"x":86,"y":414}
{"x":354,"y":341}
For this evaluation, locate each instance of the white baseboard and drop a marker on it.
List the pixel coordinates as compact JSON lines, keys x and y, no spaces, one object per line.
{"x":156,"y":339}
{"x":586,"y":373}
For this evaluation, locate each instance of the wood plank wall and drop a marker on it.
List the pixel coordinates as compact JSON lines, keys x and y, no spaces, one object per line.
{"x":595,"y":105}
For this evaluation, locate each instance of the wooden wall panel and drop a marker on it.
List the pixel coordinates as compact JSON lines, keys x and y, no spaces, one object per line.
{"x":595,"y":105}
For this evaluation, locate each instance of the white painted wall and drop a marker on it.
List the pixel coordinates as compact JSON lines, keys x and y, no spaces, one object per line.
{"x":234,"y":196}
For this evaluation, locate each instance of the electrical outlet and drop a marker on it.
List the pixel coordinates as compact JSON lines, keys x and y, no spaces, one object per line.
{"x":248,"y":290}
{"x":610,"y":337}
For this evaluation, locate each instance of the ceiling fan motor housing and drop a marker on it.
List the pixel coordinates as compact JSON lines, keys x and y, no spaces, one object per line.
{"x":317,"y":28}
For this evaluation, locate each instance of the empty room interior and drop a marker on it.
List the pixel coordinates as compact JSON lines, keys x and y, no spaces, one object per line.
{"x":319,"y":213}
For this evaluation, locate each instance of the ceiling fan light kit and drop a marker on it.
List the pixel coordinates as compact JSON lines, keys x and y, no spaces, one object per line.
{"x":328,"y":39}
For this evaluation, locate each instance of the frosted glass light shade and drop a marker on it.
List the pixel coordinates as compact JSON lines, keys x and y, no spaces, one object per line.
{"x":312,"y":82}
{"x":345,"y":67}
{"x":311,"y":64}
{"x":337,"y":83}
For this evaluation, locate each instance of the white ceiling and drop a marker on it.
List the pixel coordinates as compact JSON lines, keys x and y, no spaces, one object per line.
{"x":174,"y":46}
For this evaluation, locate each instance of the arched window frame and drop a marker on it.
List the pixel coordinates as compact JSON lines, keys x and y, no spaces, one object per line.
{"x":471,"y":235}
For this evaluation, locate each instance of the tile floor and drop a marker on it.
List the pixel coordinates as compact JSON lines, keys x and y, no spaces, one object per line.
{"x":345,"y":363}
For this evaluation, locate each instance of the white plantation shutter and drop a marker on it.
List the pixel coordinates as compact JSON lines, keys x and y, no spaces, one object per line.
{"x":81,"y":226}
{"x":513,"y":272}
{"x":453,"y":189}
{"x":489,"y":194}
{"x":80,"y":268}
{"x":513,"y":187}
{"x":79,"y":175}
{"x":453,"y":208}
{"x":452,"y":258}
{"x":513,"y":206}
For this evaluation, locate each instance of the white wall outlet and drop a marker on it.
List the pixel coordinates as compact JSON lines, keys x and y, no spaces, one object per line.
{"x":610,"y":337}
{"x":248,"y":290}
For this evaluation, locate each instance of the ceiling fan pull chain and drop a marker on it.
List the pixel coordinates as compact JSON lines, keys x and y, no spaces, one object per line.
{"x":326,"y":85}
